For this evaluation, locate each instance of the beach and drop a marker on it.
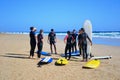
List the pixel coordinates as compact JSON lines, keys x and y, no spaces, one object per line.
{"x":15,"y":64}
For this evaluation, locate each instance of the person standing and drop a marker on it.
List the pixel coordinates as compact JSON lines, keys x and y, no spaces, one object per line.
{"x":68,"y":40}
{"x":80,"y":41}
{"x":40,"y":43}
{"x":32,"y":35}
{"x":83,"y":43}
{"x":74,"y":44}
{"x":52,"y":40}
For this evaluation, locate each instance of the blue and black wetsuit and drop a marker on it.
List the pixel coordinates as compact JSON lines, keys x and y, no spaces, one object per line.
{"x":32,"y":43}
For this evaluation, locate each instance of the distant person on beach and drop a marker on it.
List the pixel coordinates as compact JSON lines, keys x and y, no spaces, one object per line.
{"x":68,"y":40}
{"x":82,"y":39}
{"x":52,"y":40}
{"x":32,"y":35}
{"x":40,"y":43}
{"x":74,"y":44}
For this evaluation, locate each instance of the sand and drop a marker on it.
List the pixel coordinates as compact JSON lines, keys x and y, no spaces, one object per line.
{"x":15,"y":64}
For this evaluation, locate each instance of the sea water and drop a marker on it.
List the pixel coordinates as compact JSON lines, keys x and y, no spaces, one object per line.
{"x":98,"y":37}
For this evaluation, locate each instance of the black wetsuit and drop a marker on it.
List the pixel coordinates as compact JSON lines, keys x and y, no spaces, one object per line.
{"x":52,"y":37}
{"x":74,"y":35}
{"x":39,"y":44}
{"x":82,"y":42}
{"x":68,"y":46}
{"x":32,"y":43}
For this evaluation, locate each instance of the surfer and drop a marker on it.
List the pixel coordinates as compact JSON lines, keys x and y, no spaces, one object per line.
{"x":82,"y":42}
{"x":32,"y":35}
{"x":68,"y":40}
{"x":52,"y":40}
{"x":74,"y":47}
{"x":40,"y":43}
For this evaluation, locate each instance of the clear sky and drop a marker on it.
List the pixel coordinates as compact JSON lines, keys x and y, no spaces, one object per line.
{"x":62,"y":15}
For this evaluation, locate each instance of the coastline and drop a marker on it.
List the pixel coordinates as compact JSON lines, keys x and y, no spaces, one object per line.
{"x":15,"y":65}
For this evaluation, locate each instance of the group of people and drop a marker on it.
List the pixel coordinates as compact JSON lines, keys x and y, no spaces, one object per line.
{"x":38,"y":39}
{"x":70,"y":39}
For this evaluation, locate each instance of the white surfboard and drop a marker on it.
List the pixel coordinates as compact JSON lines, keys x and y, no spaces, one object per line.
{"x":102,"y":57}
{"x":88,"y":29}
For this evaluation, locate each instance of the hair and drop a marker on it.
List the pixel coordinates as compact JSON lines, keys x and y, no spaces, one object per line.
{"x":83,"y":29}
{"x":68,"y":32}
{"x":52,"y":29}
{"x":41,"y":30}
{"x":31,"y":28}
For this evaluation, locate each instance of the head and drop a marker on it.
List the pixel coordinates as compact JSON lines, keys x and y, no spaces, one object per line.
{"x":52,"y":30}
{"x":32,"y":28}
{"x":82,"y":29}
{"x":41,"y":31}
{"x":74,"y":31}
{"x":68,"y":32}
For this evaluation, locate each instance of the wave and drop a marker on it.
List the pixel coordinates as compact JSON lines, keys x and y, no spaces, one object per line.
{"x":95,"y":34}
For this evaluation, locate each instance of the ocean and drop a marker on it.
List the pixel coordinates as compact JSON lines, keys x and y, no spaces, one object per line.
{"x":99,"y":37}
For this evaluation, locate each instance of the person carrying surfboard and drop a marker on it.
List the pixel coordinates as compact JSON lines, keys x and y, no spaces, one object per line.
{"x":82,"y":39}
{"x":40,"y":43}
{"x":68,"y":40}
{"x":52,"y":40}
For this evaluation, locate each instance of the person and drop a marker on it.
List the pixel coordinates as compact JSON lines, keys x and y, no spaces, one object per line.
{"x":68,"y":40}
{"x":52,"y":40}
{"x":74,"y":44}
{"x":32,"y":35}
{"x":80,"y":41}
{"x":39,"y":43}
{"x":83,"y":43}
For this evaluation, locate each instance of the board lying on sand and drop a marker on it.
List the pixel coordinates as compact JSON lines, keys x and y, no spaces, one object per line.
{"x":102,"y":57}
{"x":45,"y":60}
{"x":88,"y":29}
{"x":45,"y":53}
{"x":92,"y":64}
{"x":72,"y":54}
{"x":61,"y":61}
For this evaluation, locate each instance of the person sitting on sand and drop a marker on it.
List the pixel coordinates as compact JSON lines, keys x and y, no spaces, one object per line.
{"x":40,"y":43}
{"x":52,"y":40}
{"x":68,"y":40}
{"x":32,"y":35}
{"x":83,"y":41}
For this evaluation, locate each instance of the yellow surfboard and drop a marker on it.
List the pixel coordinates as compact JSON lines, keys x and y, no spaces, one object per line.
{"x":62,"y":61}
{"x":92,"y":64}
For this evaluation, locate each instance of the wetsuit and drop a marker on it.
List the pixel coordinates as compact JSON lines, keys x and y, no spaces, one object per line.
{"x":74,"y":35}
{"x":80,"y":43}
{"x":39,"y":44}
{"x":32,"y":43}
{"x":68,"y":45}
{"x":52,"y":37}
{"x":83,"y":44}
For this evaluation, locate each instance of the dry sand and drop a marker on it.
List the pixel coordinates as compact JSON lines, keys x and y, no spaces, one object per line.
{"x":15,"y":64}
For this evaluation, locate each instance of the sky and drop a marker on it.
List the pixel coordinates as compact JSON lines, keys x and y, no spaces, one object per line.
{"x":61,"y":15}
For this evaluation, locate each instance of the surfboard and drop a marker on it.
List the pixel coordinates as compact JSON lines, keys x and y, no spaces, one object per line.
{"x":72,"y":54}
{"x":102,"y":57}
{"x":88,"y":29}
{"x":45,"y":60}
{"x":92,"y":64}
{"x":45,"y":53}
{"x":61,"y":61}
